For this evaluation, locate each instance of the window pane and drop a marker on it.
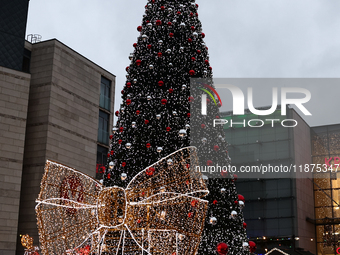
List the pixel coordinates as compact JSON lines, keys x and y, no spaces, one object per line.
{"x":101,"y":161}
{"x":105,"y":94}
{"x":103,"y":127}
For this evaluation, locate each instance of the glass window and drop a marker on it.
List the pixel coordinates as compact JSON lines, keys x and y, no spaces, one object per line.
{"x":105,"y":94}
{"x":101,"y":161}
{"x":103,"y":127}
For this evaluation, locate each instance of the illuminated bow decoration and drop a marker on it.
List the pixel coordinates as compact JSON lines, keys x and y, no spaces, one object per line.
{"x":160,"y":211}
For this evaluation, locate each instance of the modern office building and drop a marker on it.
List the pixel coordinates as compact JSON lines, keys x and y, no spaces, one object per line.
{"x":54,"y":104}
{"x":277,"y":205}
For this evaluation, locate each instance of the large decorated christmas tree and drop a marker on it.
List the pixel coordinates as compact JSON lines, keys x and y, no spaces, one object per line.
{"x":161,"y":114}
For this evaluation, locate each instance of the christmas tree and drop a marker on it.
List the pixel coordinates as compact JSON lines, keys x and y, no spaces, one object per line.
{"x":161,"y":113}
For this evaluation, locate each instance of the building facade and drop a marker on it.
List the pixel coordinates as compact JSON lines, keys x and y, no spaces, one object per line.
{"x":276,"y":205}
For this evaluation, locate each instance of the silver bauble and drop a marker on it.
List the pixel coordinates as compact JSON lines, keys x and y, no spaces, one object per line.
{"x":158,"y":116}
{"x":213,"y":220}
{"x":128,"y":145}
{"x":133,"y":124}
{"x":182,"y":133}
{"x":170,"y":162}
{"x":159,"y":149}
{"x":123,"y":176}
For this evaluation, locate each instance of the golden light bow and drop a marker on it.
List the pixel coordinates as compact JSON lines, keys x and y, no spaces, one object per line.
{"x":160,"y":212}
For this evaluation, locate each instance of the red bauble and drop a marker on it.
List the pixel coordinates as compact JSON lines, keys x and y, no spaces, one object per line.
{"x":244,"y":225}
{"x":171,"y":90}
{"x":215,"y":202}
{"x":236,"y":202}
{"x":121,"y":129}
{"x":139,"y":221}
{"x":128,"y":84}
{"x":123,"y":164}
{"x":148,"y":145}
{"x":203,"y":35}
{"x":252,"y":246}
{"x":193,"y":59}
{"x":197,"y":5}
{"x":122,"y":92}
{"x":127,"y":68}
{"x":159,"y":54}
{"x":222,"y":248}
{"x":191,"y":14}
{"x":146,"y":122}
{"x":117,"y":113}
{"x":112,"y":152}
{"x":190,"y":214}
{"x":188,"y":166}
{"x":120,"y":141}
{"x":150,"y":171}
{"x":171,"y":35}
{"x":139,"y":28}
{"x":202,"y":125}
{"x":189,"y":40}
{"x":179,"y":13}
{"x":216,"y":148}
{"x":169,"y":23}
{"x":111,"y":136}
{"x":128,"y":102}
{"x":240,"y":197}
{"x":198,"y":52}
{"x":158,"y":22}
{"x":188,"y":114}
{"x":224,"y":174}
{"x":210,"y":68}
{"x":108,"y":176}
{"x":192,"y":28}
{"x":149,"y":46}
{"x":168,"y":129}
{"x":209,"y":163}
{"x":108,"y":155}
{"x":160,"y":83}
{"x":235,"y":177}
{"x":138,"y":112}
{"x":164,"y":101}
{"x":206,"y":62}
{"x":162,"y":8}
{"x":191,"y":99}
{"x":196,"y":14}
{"x":192,"y":72}
{"x":138,"y":62}
{"x":135,"y":45}
{"x":217,"y":117}
{"x":194,"y":203}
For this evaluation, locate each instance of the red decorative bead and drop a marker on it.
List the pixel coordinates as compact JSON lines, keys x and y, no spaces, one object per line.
{"x":135,"y":45}
{"x":111,"y":136}
{"x":196,"y":5}
{"x":188,"y":166}
{"x":139,"y":221}
{"x":146,"y":122}
{"x":120,"y":141}
{"x":192,"y":28}
{"x":117,"y":113}
{"x":123,"y":164}
{"x":112,"y":152}
{"x":139,"y":28}
{"x":209,"y":163}
{"x":236,"y":202}
{"x":190,"y":214}
{"x":189,"y":40}
{"x":196,"y":14}
{"x":202,"y":125}
{"x":158,"y":22}
{"x":162,"y":8}
{"x":178,"y":12}
{"x":206,"y":62}
{"x":169,"y":23}
{"x":240,"y":197}
{"x":216,"y":148}
{"x":244,"y":225}
{"x":252,"y":246}
{"x":160,"y":54}
{"x":121,"y":129}
{"x":138,"y":62}
{"x":203,"y":35}
{"x":168,"y":129}
{"x":171,"y":35}
{"x":128,"y":84}
{"x":187,"y":182}
{"x":149,"y":46}
{"x":191,"y":14}
{"x":194,"y":203}
{"x":198,"y":52}
{"x":215,"y":202}
{"x":210,"y":68}
{"x":160,"y":83}
{"x":222,"y":248}
{"x":193,"y":59}
{"x":108,"y":176}
{"x":138,"y":112}
{"x":122,"y":92}
{"x":108,"y":155}
{"x":148,"y":145}
{"x":191,"y":99}
{"x":217,"y":117}
{"x":164,"y":101}
{"x":171,"y":90}
{"x":188,"y":114}
{"x":128,"y":102}
{"x":150,"y":171}
{"x":127,"y":68}
{"x":192,"y":72}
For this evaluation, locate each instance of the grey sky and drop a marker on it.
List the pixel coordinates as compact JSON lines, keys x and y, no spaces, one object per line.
{"x":246,"y":38}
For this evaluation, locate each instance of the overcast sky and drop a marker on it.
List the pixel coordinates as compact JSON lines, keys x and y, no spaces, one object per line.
{"x":246,"y":38}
